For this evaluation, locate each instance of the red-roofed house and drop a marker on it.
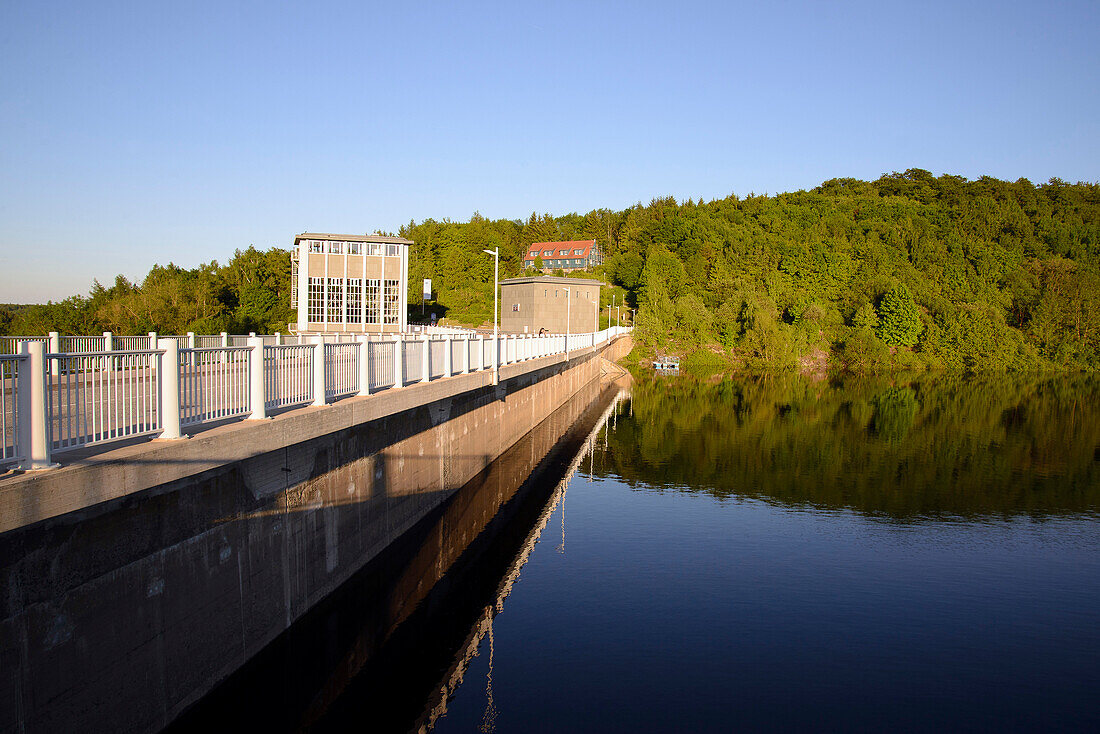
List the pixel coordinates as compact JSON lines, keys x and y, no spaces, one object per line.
{"x":574,"y":255}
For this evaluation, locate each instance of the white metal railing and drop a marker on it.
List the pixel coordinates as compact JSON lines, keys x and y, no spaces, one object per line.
{"x":10,"y":344}
{"x":83,"y":344}
{"x":437,"y":356}
{"x":213,"y":384}
{"x":103,"y":396}
{"x":130,"y":343}
{"x":9,"y":415}
{"x":341,"y":369}
{"x":413,"y":361}
{"x":381,"y":369}
{"x":288,"y":375}
{"x":55,"y":401}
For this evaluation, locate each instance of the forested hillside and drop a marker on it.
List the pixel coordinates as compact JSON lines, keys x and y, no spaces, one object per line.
{"x":910,"y":270}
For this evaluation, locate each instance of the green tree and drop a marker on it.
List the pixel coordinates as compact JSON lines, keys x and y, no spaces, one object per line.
{"x":899,"y":322}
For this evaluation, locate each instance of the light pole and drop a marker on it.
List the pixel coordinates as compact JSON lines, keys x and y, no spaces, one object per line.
{"x":567,"y":301}
{"x":495,"y":252}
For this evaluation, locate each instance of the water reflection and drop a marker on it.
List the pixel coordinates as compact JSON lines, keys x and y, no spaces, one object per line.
{"x":904,"y":447}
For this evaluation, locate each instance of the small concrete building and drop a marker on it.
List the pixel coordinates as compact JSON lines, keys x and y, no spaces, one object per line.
{"x":530,"y":304}
{"x":350,"y":283}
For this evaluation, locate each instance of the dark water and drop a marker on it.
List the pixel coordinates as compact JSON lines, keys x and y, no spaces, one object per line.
{"x":765,"y":554}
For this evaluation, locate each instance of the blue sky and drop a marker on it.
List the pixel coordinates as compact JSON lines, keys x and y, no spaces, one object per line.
{"x":143,"y":132}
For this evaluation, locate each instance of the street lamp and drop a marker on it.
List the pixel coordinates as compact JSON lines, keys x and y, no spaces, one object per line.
{"x":567,"y":300}
{"x":495,"y":252}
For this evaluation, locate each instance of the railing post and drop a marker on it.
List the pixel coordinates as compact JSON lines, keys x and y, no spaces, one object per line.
{"x":427,"y":358}
{"x":448,"y":347}
{"x":320,"y":394}
{"x":190,"y":340}
{"x":364,"y":364}
{"x":257,"y":396}
{"x":152,"y":340}
{"x":278,"y":339}
{"x":34,"y":434}
{"x":398,"y":362}
{"x":55,"y":348}
{"x":466,"y":354}
{"x":168,"y":375}
{"x":108,"y":341}
{"x":225,"y":339}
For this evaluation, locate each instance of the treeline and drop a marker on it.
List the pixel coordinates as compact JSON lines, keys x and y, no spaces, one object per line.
{"x":907,"y":271}
{"x":249,"y":293}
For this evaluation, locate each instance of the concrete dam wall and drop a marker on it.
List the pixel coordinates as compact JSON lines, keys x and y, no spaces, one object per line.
{"x":119,"y":615}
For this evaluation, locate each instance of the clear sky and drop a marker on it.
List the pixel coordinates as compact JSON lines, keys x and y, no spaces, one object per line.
{"x":133,"y":133}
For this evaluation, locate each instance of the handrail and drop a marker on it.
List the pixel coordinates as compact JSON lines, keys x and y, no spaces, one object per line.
{"x":53,"y":401}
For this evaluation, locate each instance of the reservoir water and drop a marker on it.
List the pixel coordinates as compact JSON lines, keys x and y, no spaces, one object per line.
{"x":721,"y":554}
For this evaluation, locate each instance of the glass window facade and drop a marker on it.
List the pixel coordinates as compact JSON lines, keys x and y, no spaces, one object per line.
{"x":335,"y":306}
{"x":355,"y":300}
{"x":374,"y":300}
{"x":392,"y":302}
{"x":316,"y":300}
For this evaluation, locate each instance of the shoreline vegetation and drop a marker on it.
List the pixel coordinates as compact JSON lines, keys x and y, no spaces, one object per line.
{"x":909,"y":271}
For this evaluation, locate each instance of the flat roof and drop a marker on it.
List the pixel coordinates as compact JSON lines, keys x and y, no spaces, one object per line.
{"x":555,"y":279}
{"x":353,"y":238}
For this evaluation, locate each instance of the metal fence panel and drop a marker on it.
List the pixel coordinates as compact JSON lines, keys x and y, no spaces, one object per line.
{"x":10,"y":344}
{"x":130,"y":343}
{"x":288,"y":375}
{"x":214,"y":384}
{"x":341,"y":369}
{"x":413,"y":362}
{"x":458,"y":355}
{"x":10,"y":451}
{"x":381,"y":355}
{"x":437,"y":351}
{"x":103,"y":396}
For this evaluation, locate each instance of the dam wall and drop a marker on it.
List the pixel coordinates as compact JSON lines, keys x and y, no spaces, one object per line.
{"x":182,"y":560}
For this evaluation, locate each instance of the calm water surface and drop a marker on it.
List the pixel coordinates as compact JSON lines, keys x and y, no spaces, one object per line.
{"x":872,"y":554}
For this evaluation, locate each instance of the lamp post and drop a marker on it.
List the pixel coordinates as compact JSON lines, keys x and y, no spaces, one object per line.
{"x":495,"y":252}
{"x":567,"y":301}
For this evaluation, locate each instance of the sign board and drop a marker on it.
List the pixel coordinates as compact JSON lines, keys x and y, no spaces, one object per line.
{"x":427,"y":289}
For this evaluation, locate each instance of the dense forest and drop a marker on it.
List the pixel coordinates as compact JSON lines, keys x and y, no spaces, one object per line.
{"x":249,"y":293}
{"x":907,"y":271}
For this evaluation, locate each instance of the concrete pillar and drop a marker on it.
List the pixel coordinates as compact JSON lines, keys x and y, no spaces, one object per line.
{"x":319,"y":393}
{"x":278,"y":339}
{"x":34,"y":442}
{"x":398,"y":361}
{"x":466,"y":355}
{"x":108,"y":341}
{"x":257,"y":395}
{"x":168,"y":379}
{"x":55,"y":348}
{"x":448,"y":348}
{"x":225,"y":339}
{"x":363,"y":363}
{"x":191,"y":340}
{"x":152,"y":340}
